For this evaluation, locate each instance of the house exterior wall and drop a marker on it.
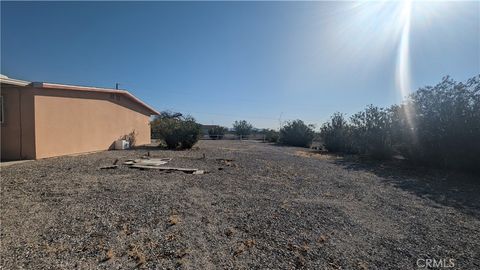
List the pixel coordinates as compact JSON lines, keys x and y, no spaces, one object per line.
{"x":70,"y":122}
{"x":18,"y":128}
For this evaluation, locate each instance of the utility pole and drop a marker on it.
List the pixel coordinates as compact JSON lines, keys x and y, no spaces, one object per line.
{"x":280,"y":121}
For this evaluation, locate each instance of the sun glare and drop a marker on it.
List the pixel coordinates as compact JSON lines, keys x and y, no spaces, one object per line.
{"x":377,"y":30}
{"x":369,"y":34}
{"x":403,"y":78}
{"x":403,"y":60}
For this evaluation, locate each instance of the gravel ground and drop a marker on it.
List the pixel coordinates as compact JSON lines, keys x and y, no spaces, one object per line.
{"x":270,"y":207}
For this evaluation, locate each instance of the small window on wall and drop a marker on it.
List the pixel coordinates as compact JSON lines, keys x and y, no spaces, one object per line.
{"x":1,"y":110}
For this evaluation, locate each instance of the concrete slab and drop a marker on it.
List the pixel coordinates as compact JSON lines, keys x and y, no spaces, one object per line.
{"x":14,"y":162}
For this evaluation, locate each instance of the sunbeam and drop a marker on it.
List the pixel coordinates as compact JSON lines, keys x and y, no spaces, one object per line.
{"x":403,"y":76}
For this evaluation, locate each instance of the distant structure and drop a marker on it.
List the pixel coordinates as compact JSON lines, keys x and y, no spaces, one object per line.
{"x":205,"y":128}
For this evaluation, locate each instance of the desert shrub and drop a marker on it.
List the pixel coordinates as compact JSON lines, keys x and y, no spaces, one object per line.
{"x":242,"y":128}
{"x":336,"y":134}
{"x":371,"y":132}
{"x":271,"y":135}
{"x":436,"y":126}
{"x":297,"y":133}
{"x":177,"y":131}
{"x":131,"y":138}
{"x":442,"y":124}
{"x":217,"y":132}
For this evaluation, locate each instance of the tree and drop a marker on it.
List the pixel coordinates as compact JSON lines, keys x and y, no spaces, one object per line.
{"x":242,"y":128}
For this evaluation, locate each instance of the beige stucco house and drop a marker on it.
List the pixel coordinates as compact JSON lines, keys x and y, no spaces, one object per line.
{"x":40,"y":120}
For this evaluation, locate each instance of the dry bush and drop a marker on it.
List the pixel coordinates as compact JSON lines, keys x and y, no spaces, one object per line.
{"x":131,"y":138}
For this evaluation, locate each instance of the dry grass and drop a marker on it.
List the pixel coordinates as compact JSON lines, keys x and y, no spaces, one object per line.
{"x":244,"y":246}
{"x":322,"y":239}
{"x":316,"y":155}
{"x":55,"y":248}
{"x":179,"y":254}
{"x":229,"y":232}
{"x":249,"y":243}
{"x":227,"y":162}
{"x":299,"y":248}
{"x":362,"y":265}
{"x":173,"y":220}
{"x":170,"y":237}
{"x":108,"y":255}
{"x":137,"y":254}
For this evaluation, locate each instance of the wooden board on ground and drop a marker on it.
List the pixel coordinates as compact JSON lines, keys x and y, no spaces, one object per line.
{"x":185,"y":170}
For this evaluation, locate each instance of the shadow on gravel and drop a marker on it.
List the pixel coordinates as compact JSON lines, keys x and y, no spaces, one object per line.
{"x":449,"y":188}
{"x":151,"y":147}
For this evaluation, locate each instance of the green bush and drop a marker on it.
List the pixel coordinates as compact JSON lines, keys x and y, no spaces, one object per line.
{"x":296,"y":133}
{"x":242,"y":128}
{"x":336,"y":134}
{"x":441,"y":125}
{"x":370,"y":131}
{"x":271,"y":135}
{"x":176,"y":131}
{"x":217,"y":132}
{"x":436,"y":126}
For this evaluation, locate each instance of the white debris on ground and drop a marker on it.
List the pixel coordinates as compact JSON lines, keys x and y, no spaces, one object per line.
{"x":147,"y":161}
{"x":155,"y":163}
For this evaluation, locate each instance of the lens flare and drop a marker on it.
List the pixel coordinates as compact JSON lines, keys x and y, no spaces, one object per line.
{"x":403,"y":61}
{"x":403,"y":77}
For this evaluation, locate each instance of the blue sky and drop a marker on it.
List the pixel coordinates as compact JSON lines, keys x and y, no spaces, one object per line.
{"x":226,"y":61}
